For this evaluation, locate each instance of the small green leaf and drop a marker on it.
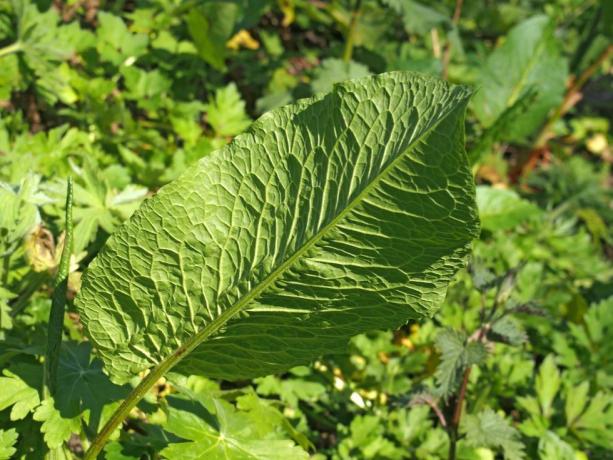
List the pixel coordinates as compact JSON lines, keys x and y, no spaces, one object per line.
{"x":226,"y":112}
{"x":81,"y":383}
{"x":551,"y":447}
{"x":210,"y":25}
{"x":488,"y":429}
{"x":507,"y":330}
{"x":55,"y":428}
{"x":6,"y":320}
{"x":547,"y":385}
{"x":269,"y":419}
{"x":502,"y":209}
{"x":233,"y":435}
{"x":595,"y":425}
{"x":114,"y":451}
{"x":456,"y":356}
{"x":115,"y":42}
{"x":576,"y":399}
{"x":8,"y":438}
{"x":368,"y":441}
{"x":417,"y":17}
{"x":16,"y":393}
{"x":291,"y":391}
{"x":333,"y":71}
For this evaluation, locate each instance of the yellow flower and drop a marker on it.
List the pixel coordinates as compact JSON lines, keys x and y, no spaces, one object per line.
{"x":243,"y":39}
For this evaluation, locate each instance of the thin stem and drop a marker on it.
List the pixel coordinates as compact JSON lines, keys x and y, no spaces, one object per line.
{"x":459,"y":402}
{"x":126,"y":406}
{"x":572,"y":97}
{"x":457,"y":13}
{"x":439,"y":413}
{"x":58,"y":304}
{"x":348,"y":52}
{"x":436,"y":43}
{"x":122,"y":412}
{"x":14,"y":48}
{"x":457,"y":412}
{"x":453,"y":441}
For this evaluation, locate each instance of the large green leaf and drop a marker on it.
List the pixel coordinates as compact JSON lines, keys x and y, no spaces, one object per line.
{"x":339,"y":214}
{"x":529,"y":60}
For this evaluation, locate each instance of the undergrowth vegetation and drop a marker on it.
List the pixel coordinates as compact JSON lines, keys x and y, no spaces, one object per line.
{"x":312,"y":283}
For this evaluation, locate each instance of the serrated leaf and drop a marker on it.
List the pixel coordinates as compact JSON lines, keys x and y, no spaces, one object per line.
{"x":483,"y":278}
{"x":16,"y":393}
{"x":291,"y":391}
{"x":336,"y":215}
{"x":232,"y":435}
{"x":226,"y":112}
{"x":528,"y":60}
{"x":551,"y":447}
{"x":97,"y":204}
{"x":8,"y":438}
{"x":475,"y":353}
{"x":507,"y":330}
{"x":488,"y":429}
{"x":456,"y":356}
{"x":115,"y":43}
{"x":547,"y":385}
{"x":595,"y":425}
{"x":56,"y":428}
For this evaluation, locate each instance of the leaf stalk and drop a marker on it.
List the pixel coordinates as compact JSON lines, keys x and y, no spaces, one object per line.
{"x":58,"y":304}
{"x":10,"y":49}
{"x":351,"y":30}
{"x":457,"y":13}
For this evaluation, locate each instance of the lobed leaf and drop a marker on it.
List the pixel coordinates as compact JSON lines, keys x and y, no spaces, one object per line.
{"x":457,"y":354}
{"x":8,"y":438}
{"x":231,"y":434}
{"x":489,"y":429}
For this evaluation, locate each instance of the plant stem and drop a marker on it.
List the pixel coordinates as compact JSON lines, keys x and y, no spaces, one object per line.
{"x":347,"y":53}
{"x":457,"y":412}
{"x":454,"y":426}
{"x":439,"y":413}
{"x":58,"y":304}
{"x":14,"y":48}
{"x":453,"y":442}
{"x":127,"y":405}
{"x":572,"y":97}
{"x":452,"y":429}
{"x":147,"y":383}
{"x":457,"y":13}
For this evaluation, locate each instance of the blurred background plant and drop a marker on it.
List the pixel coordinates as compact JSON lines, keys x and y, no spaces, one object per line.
{"x":125,"y":95}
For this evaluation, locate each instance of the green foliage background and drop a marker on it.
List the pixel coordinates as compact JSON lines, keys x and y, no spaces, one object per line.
{"x":125,"y":95}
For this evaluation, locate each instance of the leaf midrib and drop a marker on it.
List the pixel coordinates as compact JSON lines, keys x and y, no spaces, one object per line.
{"x":215,"y":325}
{"x":517,"y":88}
